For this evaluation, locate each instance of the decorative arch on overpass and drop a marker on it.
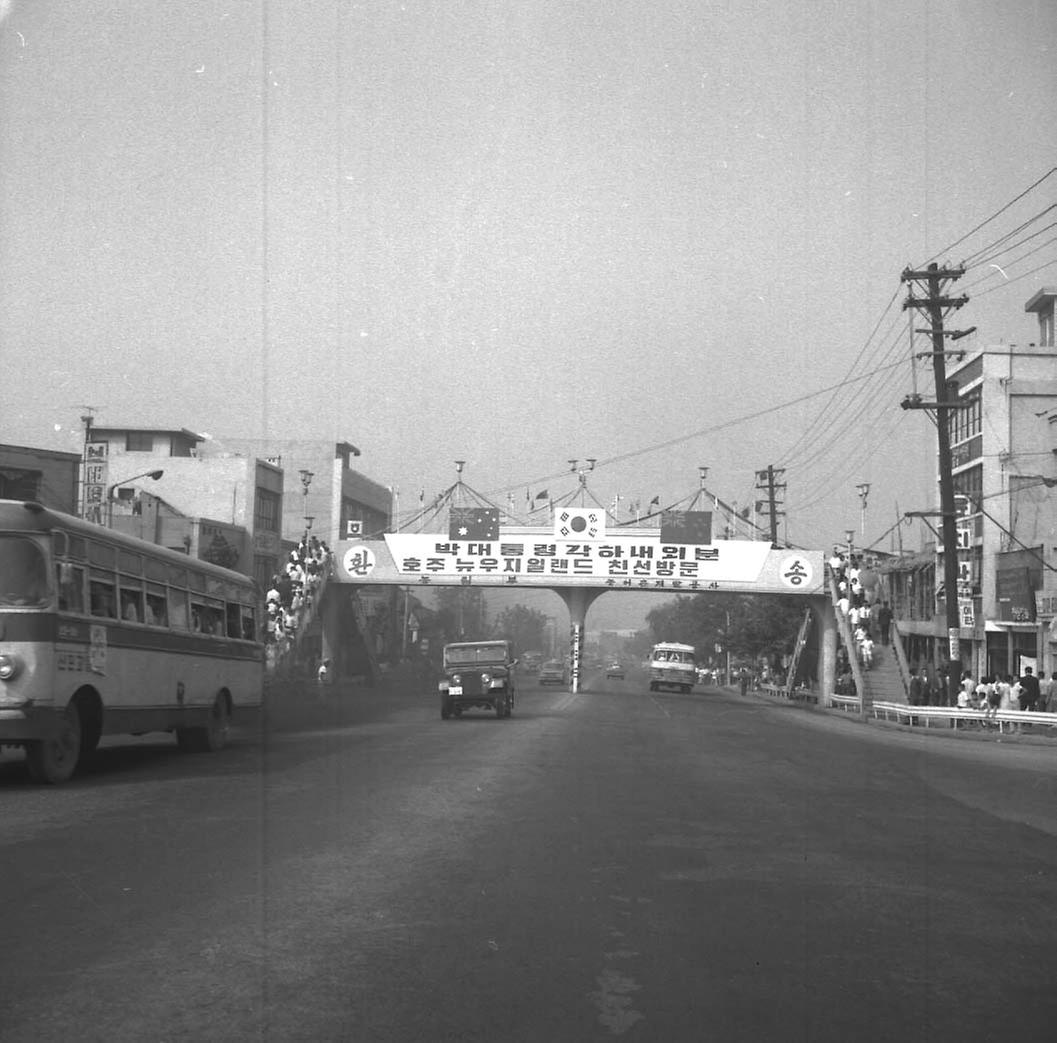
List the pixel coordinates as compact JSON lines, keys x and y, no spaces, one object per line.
{"x":580,"y":569}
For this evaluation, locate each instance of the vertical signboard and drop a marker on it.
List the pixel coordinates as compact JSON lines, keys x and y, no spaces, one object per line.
{"x":96,"y":474}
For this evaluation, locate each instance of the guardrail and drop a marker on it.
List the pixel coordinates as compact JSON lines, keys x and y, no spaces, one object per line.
{"x":803,"y":695}
{"x":844,"y":702}
{"x":957,"y":716}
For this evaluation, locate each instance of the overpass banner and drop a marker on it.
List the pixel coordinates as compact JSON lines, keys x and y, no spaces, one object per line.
{"x":539,"y":559}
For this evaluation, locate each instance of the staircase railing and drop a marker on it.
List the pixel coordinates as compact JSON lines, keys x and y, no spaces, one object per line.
{"x":844,"y":629}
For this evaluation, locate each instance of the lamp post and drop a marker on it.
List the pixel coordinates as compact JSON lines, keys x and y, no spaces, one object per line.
{"x":863,"y":489}
{"x":306,"y":481}
{"x":154,"y":475}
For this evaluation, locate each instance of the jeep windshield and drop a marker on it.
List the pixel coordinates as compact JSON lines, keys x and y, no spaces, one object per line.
{"x":472,"y":655}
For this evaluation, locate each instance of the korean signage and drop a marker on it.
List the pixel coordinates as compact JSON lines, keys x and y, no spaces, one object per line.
{"x":1016,"y":599}
{"x":96,"y":475}
{"x":624,"y":561}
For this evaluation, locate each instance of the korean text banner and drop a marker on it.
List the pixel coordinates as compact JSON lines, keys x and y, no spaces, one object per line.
{"x":538,"y":559}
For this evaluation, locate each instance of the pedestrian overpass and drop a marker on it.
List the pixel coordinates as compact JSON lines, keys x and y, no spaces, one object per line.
{"x":580,"y":562}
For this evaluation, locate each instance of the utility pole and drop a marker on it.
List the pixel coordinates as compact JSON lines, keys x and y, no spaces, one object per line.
{"x":936,"y":304}
{"x":767,"y":481}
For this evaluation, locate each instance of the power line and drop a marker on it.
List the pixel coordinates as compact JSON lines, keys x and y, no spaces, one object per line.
{"x":987,"y":221}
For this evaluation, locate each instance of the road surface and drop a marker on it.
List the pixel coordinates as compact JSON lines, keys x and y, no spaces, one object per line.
{"x":609,"y":865}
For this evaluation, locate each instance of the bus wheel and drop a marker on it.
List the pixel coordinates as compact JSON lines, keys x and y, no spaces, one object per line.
{"x":54,"y":760}
{"x":211,"y":738}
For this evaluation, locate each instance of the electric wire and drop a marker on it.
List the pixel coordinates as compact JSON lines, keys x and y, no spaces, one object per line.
{"x":987,"y":221}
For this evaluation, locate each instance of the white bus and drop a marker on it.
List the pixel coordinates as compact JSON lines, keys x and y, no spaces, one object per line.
{"x":673,"y":665}
{"x":105,"y":634}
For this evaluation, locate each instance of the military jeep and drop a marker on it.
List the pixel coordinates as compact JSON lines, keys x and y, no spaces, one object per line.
{"x":477,"y":673}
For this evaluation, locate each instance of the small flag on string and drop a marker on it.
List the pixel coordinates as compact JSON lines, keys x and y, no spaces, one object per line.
{"x":543,"y":495}
{"x":656,"y":501}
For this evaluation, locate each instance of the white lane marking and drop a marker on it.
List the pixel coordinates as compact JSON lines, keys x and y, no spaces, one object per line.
{"x":659,"y":707}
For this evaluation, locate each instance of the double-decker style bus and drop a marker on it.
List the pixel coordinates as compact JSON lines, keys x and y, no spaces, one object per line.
{"x":105,"y":634}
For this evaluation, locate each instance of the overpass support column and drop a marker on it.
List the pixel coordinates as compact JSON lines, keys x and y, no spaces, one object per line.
{"x":827,"y":617}
{"x":578,"y":600}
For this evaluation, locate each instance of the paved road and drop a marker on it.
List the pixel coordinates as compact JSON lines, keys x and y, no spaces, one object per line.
{"x":608,"y":865}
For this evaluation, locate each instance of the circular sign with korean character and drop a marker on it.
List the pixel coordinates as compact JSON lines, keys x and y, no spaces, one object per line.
{"x":796,"y":572}
{"x":358,"y":561}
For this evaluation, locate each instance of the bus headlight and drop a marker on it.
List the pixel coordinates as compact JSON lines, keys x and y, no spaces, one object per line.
{"x":9,"y":667}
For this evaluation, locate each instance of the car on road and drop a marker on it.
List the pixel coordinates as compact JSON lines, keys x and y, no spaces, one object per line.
{"x":553,"y":672}
{"x":477,"y":674}
{"x":615,"y":670}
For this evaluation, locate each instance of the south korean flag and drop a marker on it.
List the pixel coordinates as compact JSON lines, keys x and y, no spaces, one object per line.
{"x":580,"y":523}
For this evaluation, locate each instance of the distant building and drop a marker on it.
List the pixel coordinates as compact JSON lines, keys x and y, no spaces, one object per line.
{"x":323,"y":493}
{"x":44,"y":475}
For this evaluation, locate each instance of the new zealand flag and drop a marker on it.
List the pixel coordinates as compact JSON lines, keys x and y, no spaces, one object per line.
{"x":686,"y":527}
{"x":473,"y":523}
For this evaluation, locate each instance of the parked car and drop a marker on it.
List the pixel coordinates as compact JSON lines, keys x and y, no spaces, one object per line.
{"x":477,"y":673}
{"x":553,"y":672}
{"x":615,"y":670}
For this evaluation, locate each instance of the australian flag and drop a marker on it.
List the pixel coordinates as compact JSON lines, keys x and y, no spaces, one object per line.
{"x":686,"y":527}
{"x":473,"y":523}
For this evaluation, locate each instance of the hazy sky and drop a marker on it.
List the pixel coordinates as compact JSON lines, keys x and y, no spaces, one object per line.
{"x":516,"y":232}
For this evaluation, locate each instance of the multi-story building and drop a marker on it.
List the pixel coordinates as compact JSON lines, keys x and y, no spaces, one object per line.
{"x":1003,"y":446}
{"x":323,"y":494}
{"x":173,"y":487}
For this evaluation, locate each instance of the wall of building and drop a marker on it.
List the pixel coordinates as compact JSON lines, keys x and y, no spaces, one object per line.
{"x":44,"y":475}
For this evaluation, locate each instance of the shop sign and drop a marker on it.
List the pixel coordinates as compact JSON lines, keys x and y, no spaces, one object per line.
{"x":1016,"y":599}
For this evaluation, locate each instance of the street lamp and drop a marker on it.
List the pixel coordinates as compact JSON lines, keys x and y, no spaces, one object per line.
{"x":863,"y":489}
{"x":153,"y":475}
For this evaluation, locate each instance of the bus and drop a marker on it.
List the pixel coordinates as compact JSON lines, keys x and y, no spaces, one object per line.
{"x":106,"y":634}
{"x":673,"y":665}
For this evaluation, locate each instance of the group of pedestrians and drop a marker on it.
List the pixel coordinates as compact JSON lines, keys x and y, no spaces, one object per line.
{"x":993,"y":692}
{"x":869,"y":624}
{"x":293,"y":591}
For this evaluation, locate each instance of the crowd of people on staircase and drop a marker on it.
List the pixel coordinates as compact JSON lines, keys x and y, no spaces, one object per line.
{"x":294,"y":591}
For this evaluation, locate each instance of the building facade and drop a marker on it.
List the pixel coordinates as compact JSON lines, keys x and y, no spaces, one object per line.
{"x":1004,"y":464}
{"x":177,"y":489}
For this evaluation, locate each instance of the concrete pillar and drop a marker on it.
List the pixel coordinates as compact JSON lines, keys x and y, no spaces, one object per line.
{"x":578,"y":600}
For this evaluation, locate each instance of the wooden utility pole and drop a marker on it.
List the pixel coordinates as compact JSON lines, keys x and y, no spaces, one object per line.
{"x":935,"y":280}
{"x":767,"y":481}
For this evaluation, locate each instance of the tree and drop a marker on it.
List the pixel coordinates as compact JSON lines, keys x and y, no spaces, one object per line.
{"x":523,"y":627}
{"x":461,"y":613}
{"x":749,"y":626}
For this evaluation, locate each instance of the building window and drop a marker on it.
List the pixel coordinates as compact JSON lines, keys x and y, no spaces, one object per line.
{"x":266,"y":511}
{"x":139,"y":441}
{"x":968,"y":421}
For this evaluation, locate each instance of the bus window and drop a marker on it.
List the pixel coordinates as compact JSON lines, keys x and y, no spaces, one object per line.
{"x":156,"y":612}
{"x":71,"y":587}
{"x":178,"y":608}
{"x":131,"y":600}
{"x":231,"y":617}
{"x":249,"y":623}
{"x":102,"y":596}
{"x":23,"y":572}
{"x":207,"y":617}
